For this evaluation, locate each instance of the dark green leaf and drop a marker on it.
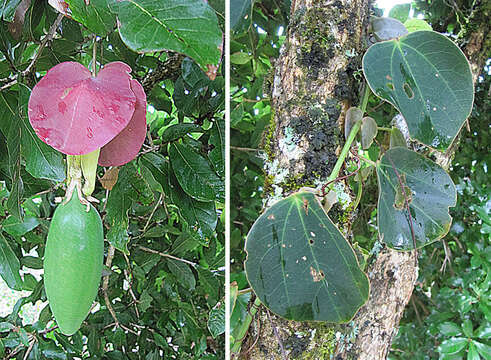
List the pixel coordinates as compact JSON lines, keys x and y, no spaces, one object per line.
{"x":238,"y":10}
{"x":428,"y":79}
{"x":210,"y":285}
{"x":450,"y":329}
{"x":453,"y":345}
{"x":396,"y":138}
{"x":186,"y":26}
{"x":16,"y":227}
{"x":467,"y":327}
{"x":23,"y":337}
{"x":7,"y":9}
{"x":9,"y":265}
{"x":429,"y":191}
{"x":96,"y":17}
{"x":299,"y":264}
{"x":216,"y":321}
{"x":177,"y":131}
{"x":32,"y":262}
{"x":131,"y":187}
{"x":194,"y":174}
{"x":183,"y":273}
{"x":217,"y":154}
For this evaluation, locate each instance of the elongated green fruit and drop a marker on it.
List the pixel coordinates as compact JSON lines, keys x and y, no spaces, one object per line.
{"x":73,"y":263}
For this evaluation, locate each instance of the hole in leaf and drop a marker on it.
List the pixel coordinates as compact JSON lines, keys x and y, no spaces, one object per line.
{"x":311,"y":241}
{"x":390,"y":86}
{"x":316,"y":275}
{"x":407,"y":89}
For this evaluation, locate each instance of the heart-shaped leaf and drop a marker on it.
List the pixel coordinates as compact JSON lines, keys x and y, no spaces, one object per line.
{"x":300,"y":266}
{"x":404,"y":175}
{"x":186,"y":26}
{"x":368,"y":131}
{"x":428,"y":79}
{"x":76,"y":113}
{"x":126,"y":145}
{"x":387,"y":28}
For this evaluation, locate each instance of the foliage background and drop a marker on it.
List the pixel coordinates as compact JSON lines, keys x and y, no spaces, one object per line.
{"x":165,"y":307}
{"x":449,"y":313}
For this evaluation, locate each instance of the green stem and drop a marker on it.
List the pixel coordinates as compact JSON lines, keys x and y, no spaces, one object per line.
{"x":381,"y":128}
{"x":351,"y":137}
{"x":244,"y":327}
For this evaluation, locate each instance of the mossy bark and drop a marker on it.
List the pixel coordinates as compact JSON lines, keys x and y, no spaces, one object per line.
{"x":315,"y":82}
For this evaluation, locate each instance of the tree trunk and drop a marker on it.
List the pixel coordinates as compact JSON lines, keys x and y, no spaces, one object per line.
{"x":314,"y":84}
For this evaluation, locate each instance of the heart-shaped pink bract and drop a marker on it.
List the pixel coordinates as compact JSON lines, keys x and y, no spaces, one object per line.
{"x":125,"y":146}
{"x":76,"y":113}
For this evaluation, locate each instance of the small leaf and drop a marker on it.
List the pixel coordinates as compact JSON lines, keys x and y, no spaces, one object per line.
{"x":387,"y":28}
{"x":5,"y":326}
{"x":177,"y":131}
{"x":15,"y":227}
{"x":9,"y":265}
{"x":473,"y":354}
{"x":483,"y":349}
{"x":110,"y":178}
{"x":353,"y":115}
{"x":96,"y":17}
{"x":216,"y":320}
{"x":300,"y":265}
{"x":23,"y":337}
{"x":183,"y":273}
{"x":396,"y":138}
{"x":217,"y":154}
{"x":468,"y":328}
{"x":400,"y":12}
{"x":368,"y":132}
{"x":452,"y":346}
{"x":240,"y":58}
{"x":429,"y":191}
{"x":413,"y":25}
{"x":186,"y":26}
{"x":194,"y":174}
{"x":433,"y":92}
{"x":210,"y":284}
{"x":449,"y":329}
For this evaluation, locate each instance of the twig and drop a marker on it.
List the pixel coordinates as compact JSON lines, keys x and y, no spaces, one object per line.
{"x":276,"y":333}
{"x":48,"y":330}
{"x":105,"y":284}
{"x":258,"y":325}
{"x":151,"y":214}
{"x":323,"y":190}
{"x":416,"y":311}
{"x":167,"y":255}
{"x":131,"y":292}
{"x":9,"y":84}
{"x":243,"y":149}
{"x":31,"y":344}
{"x":448,"y":258}
{"x":47,"y":38}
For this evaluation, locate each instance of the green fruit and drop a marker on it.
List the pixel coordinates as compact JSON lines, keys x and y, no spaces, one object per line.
{"x":73,"y":263}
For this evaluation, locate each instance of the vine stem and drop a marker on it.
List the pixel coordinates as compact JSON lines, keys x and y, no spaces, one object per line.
{"x":351,"y":137}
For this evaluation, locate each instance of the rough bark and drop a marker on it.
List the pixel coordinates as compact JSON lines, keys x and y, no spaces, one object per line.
{"x":313,"y":87}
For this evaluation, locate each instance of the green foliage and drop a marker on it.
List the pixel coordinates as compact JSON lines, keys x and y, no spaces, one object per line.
{"x":300,"y":265}
{"x":166,"y":280}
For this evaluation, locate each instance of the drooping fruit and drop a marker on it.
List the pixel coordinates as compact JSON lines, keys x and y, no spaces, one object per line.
{"x":73,"y":263}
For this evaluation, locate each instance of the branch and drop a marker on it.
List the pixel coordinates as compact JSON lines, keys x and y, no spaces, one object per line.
{"x":167,"y":255}
{"x":169,"y":69}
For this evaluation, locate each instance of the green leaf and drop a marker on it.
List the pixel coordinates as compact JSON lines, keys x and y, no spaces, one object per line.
{"x":368,"y":132}
{"x":7,"y":9}
{"x":467,"y":327}
{"x":428,"y":79}
{"x":177,"y":131}
{"x":217,"y":154}
{"x":387,"y":28}
{"x":483,"y":349}
{"x":9,"y":265}
{"x":23,"y":337}
{"x":413,"y":25}
{"x":238,"y":10}
{"x":186,"y":26}
{"x":300,"y":266}
{"x":484,"y":331}
{"x":131,"y":187}
{"x":5,"y":326}
{"x":216,"y":320}
{"x":473,"y":354}
{"x":452,"y":346}
{"x":32,"y":262}
{"x":240,"y":58}
{"x":400,"y":12}
{"x":194,"y":173}
{"x":429,"y":191}
{"x":96,"y":16}
{"x":396,"y":138}
{"x":449,"y":329}
{"x":42,"y":161}
{"x":210,"y":284}
{"x":16,"y":227}
{"x":183,"y":273}
{"x":201,"y":216}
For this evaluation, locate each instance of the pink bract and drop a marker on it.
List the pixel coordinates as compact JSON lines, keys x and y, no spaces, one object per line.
{"x":76,"y":113}
{"x":125,"y":146}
